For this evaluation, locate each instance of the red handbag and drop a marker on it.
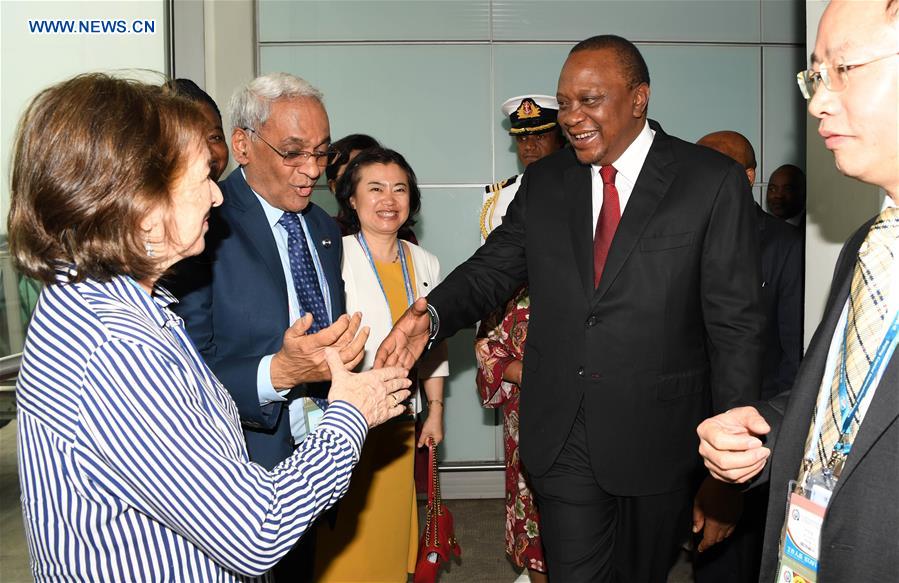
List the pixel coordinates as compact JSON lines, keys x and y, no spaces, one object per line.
{"x":438,"y":540}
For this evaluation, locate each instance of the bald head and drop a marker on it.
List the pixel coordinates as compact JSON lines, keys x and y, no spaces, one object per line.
{"x":733,"y":145}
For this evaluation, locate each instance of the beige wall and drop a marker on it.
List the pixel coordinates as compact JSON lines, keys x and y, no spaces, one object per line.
{"x":31,"y":62}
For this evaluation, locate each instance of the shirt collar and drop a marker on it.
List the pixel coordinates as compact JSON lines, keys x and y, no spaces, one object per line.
{"x":272,"y":214}
{"x":126,"y":289}
{"x":631,"y":161}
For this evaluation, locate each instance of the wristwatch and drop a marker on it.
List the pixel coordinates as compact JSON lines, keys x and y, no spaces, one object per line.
{"x":435,"y":323}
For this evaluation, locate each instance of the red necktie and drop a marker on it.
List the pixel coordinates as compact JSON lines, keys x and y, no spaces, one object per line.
{"x":609,"y":216}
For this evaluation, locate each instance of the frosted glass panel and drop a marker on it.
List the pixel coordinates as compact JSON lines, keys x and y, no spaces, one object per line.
{"x":783,"y":21}
{"x":519,"y":70}
{"x":784,"y":110}
{"x":448,"y":228}
{"x":431,"y":103}
{"x":665,"y":20}
{"x":365,"y":20}
{"x":697,"y":90}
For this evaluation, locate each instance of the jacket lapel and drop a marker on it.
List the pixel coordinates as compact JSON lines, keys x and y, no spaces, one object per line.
{"x":655,"y":177}
{"x":579,"y":188}
{"x":252,"y":222}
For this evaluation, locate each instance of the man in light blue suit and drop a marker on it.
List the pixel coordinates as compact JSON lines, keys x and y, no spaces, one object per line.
{"x":267,"y":296}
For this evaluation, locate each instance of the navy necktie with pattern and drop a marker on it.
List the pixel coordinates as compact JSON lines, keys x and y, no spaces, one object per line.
{"x":305,"y":278}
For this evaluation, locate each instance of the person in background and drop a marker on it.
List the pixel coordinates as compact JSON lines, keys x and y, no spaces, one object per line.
{"x":499,"y":347}
{"x":785,"y":195}
{"x":375,"y":536}
{"x":780,"y":246}
{"x":267,"y":297}
{"x":215,"y":133}
{"x":828,"y":449}
{"x":536,"y":134}
{"x":132,"y":462}
{"x":344,"y":150}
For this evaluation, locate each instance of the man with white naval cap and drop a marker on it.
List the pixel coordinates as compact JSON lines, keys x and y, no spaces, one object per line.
{"x":536,"y":134}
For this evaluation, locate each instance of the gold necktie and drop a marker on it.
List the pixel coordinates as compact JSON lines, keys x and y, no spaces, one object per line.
{"x":866,"y":326}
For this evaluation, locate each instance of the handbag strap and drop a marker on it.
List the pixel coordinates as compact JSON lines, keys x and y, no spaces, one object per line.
{"x":434,"y":481}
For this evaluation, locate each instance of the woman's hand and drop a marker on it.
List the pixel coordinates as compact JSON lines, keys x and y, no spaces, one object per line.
{"x":378,"y":394}
{"x":432,"y":428}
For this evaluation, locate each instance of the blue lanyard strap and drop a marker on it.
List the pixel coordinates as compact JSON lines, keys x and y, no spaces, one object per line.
{"x":883,"y":354}
{"x":407,"y":279}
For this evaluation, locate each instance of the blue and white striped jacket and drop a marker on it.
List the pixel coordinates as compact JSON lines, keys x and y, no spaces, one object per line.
{"x":131,"y":458}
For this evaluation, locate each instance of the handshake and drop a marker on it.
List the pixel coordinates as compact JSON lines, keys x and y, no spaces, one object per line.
{"x":333,"y":352}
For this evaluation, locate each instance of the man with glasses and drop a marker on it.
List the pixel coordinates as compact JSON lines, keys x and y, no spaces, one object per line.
{"x":833,"y":468}
{"x":267,"y":296}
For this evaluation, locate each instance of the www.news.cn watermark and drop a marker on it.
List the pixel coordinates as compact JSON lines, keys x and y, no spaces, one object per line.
{"x":92,"y":26}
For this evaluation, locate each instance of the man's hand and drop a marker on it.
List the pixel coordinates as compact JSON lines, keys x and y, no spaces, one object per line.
{"x":408,"y":339}
{"x":302,"y":357}
{"x":378,"y":394}
{"x":730,"y":446}
{"x":716,"y":510}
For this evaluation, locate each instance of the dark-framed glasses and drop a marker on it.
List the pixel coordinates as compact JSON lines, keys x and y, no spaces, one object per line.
{"x":833,"y":78}
{"x":297,"y":157}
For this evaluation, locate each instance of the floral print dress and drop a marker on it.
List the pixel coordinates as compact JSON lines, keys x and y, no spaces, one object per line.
{"x":500,"y":341}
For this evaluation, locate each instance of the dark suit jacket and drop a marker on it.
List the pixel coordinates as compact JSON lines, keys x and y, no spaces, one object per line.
{"x":672,"y":333}
{"x":783,"y":272}
{"x":858,"y":540}
{"x":233,"y":299}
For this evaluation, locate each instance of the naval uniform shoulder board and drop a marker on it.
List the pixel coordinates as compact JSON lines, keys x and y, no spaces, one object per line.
{"x":496,"y":187}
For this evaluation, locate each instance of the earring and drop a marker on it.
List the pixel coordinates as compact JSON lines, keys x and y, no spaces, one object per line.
{"x":148,"y":247}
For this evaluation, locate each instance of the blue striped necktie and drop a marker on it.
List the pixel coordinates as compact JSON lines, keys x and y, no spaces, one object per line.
{"x":305,"y":278}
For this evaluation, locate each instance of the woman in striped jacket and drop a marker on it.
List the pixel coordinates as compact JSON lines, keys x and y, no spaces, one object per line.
{"x":131,"y":457}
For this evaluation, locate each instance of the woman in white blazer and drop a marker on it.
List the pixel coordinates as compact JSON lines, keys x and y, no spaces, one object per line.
{"x":375,"y":535}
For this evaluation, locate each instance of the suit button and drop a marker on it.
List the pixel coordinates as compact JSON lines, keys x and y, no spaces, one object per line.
{"x":580,"y":371}
{"x":592,"y":321}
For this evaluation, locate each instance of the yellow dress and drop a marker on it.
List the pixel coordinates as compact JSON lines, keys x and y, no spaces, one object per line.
{"x":375,"y":536}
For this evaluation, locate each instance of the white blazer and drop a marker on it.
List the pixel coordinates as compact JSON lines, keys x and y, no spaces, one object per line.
{"x":363,"y":294}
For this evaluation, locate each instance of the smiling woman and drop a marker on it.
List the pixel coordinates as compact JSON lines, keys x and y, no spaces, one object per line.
{"x":375,"y":535}
{"x":126,"y":438}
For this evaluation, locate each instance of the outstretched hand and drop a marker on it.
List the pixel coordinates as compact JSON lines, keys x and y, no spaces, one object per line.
{"x":408,"y":339}
{"x":378,"y":394}
{"x":730,"y":445}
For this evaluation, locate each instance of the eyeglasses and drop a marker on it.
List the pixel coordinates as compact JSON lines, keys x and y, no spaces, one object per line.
{"x":297,"y":157}
{"x":809,"y":81}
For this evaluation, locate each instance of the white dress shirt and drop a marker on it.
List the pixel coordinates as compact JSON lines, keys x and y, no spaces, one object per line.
{"x":628,"y":166}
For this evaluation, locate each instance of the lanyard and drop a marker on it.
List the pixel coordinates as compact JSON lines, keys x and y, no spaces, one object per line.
{"x":407,"y":280}
{"x":847,"y":414}
{"x":884,"y":352}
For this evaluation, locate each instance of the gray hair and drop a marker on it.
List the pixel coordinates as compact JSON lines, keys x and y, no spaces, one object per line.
{"x":251,"y":104}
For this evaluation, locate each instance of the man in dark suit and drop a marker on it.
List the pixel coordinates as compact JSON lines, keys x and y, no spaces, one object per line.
{"x":636,"y":330}
{"x":781,"y":248}
{"x":259,"y":304}
{"x":832,"y":449}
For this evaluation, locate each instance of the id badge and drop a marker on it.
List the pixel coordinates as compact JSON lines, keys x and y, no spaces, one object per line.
{"x":801,"y":540}
{"x":312,"y":413}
